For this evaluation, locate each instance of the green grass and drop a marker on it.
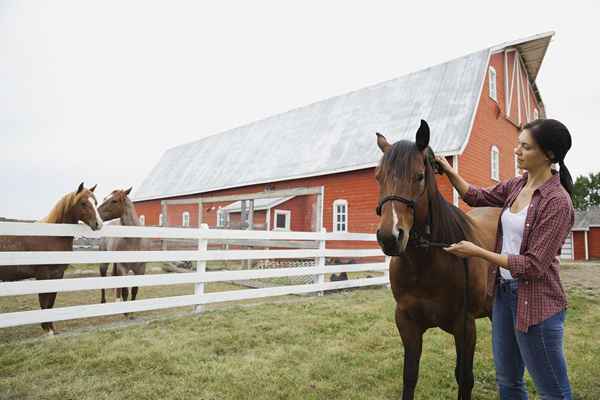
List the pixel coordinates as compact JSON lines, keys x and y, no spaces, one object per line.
{"x":341,"y":346}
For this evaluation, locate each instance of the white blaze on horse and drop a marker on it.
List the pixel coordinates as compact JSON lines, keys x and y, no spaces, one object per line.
{"x":70,"y":209}
{"x":118,"y":205}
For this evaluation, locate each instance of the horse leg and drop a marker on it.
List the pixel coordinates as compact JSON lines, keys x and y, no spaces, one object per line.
{"x":466,"y":350}
{"x":103,"y":272}
{"x":412,"y":339}
{"x":140,"y":269}
{"x":47,"y":302}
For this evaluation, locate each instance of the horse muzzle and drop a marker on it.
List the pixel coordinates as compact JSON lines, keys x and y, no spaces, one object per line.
{"x":390,"y":244}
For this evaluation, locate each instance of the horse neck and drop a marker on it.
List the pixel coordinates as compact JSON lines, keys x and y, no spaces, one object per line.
{"x":61,"y":212}
{"x":129,"y":217}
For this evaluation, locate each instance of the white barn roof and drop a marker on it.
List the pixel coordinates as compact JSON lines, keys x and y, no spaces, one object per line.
{"x":333,"y":135}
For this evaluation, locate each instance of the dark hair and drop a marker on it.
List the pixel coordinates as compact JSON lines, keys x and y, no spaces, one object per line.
{"x":554,"y":139}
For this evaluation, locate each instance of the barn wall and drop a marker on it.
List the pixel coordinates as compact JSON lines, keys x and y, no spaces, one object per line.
{"x":594,"y":242}
{"x":579,"y":245}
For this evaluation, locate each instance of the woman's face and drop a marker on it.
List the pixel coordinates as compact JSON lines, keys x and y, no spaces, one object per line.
{"x":530,"y":156}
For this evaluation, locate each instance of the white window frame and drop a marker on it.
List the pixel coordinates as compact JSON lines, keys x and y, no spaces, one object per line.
{"x":221,"y":217}
{"x":160,"y":219}
{"x":185,"y":218}
{"x":495,"y":163}
{"x":288,"y":220}
{"x":142,"y":219}
{"x":493,"y":84}
{"x":340,"y":226}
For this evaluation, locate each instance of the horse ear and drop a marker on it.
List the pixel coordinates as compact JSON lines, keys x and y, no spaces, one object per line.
{"x":128,"y":191}
{"x":93,"y":188}
{"x":382,"y":142}
{"x":80,"y":188}
{"x":423,"y":136}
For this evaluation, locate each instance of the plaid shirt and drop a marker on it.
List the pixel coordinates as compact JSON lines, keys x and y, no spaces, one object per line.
{"x":549,"y":220}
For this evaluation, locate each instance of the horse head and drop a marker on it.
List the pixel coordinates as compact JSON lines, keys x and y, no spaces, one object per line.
{"x":83,"y":207}
{"x":114,"y":205}
{"x":405,"y":178}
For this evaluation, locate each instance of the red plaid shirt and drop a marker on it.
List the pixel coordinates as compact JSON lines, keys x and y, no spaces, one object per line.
{"x":549,"y":220}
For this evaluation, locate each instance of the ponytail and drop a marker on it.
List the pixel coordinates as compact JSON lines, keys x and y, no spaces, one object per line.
{"x":565,"y":178}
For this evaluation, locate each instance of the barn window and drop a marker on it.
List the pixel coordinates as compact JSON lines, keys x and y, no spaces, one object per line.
{"x":282,"y":220}
{"x":536,"y":113}
{"x":221,"y":217}
{"x":185,"y":219}
{"x":495,"y":163}
{"x":340,"y":215}
{"x":493,"y":86}
{"x":160,"y":220}
{"x":142,"y":220}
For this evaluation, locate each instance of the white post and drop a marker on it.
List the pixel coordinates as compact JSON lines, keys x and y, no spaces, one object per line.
{"x":386,"y":273}
{"x":320,"y":261}
{"x":201,"y":267}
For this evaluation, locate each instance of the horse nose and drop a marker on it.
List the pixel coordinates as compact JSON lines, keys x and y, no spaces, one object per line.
{"x":98,"y":225}
{"x":389,"y":243}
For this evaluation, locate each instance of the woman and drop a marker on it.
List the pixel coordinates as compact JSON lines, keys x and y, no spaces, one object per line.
{"x":529,"y":300}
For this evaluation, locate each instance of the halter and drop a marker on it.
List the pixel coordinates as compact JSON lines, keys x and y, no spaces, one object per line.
{"x":416,"y":238}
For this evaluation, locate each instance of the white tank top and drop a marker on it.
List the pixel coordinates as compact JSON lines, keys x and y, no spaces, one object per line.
{"x":512,"y":235}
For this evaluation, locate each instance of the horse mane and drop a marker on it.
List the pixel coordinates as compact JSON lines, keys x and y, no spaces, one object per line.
{"x":59,"y":212}
{"x":449,"y":224}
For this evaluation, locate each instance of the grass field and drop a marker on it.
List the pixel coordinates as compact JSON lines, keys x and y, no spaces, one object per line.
{"x":341,"y":346}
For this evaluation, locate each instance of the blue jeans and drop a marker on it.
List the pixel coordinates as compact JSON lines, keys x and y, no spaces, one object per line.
{"x":540,"y":350}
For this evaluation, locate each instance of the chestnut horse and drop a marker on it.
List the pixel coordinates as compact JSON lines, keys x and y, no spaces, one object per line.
{"x":118,"y":205}
{"x":428,"y":283}
{"x":70,"y":209}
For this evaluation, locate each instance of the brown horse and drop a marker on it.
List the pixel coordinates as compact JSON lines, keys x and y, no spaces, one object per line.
{"x":70,"y":209}
{"x":118,"y":205}
{"x":428,"y":283}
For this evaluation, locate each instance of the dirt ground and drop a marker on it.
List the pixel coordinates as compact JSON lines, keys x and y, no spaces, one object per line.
{"x":582,"y":276}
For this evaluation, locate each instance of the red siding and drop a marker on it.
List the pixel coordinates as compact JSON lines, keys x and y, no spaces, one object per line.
{"x":594,"y":243}
{"x":578,"y":245}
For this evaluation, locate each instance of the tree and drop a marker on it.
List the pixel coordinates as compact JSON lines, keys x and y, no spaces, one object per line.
{"x":586,"y":191}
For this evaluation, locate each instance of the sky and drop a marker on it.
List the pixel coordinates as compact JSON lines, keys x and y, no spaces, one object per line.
{"x":96,"y":91}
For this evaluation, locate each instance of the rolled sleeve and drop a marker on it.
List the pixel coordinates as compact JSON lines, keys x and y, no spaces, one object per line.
{"x":489,"y":197}
{"x":545,"y":240}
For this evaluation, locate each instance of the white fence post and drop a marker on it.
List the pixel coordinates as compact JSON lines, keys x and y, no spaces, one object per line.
{"x":201,"y":267}
{"x":386,"y":273}
{"x":320,"y":261}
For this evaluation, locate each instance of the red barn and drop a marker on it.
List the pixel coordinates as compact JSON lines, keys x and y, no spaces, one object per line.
{"x":313,"y":166}
{"x":584,"y":241}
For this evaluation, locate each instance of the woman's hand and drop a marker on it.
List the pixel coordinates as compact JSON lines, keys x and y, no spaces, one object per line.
{"x":443,"y":164}
{"x":464,"y":248}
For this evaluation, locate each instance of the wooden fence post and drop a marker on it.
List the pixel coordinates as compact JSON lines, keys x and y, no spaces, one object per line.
{"x":201,"y":267}
{"x":320,"y":261}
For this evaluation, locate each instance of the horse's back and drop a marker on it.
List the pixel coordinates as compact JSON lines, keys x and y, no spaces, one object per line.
{"x":485,"y":221}
{"x":33,"y":243}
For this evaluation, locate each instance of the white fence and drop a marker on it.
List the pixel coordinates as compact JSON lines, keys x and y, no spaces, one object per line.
{"x":199,"y":277}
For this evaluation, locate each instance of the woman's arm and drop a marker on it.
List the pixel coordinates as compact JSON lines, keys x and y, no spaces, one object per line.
{"x":546,"y":238}
{"x":473,"y":196}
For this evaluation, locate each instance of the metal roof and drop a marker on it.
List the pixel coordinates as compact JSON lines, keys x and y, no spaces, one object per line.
{"x":585,"y":219}
{"x":259,"y":204}
{"x":330,"y":136}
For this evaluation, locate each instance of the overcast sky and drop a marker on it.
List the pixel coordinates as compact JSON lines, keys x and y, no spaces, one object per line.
{"x":96,"y":91}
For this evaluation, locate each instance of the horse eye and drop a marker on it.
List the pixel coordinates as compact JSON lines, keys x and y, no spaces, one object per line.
{"x":114,"y":202}
{"x":420,"y":177}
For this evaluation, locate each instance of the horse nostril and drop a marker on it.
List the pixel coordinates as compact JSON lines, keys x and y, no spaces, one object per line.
{"x":400,"y":235}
